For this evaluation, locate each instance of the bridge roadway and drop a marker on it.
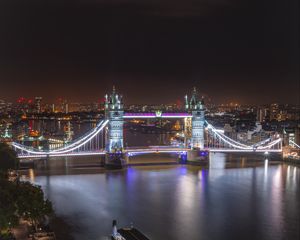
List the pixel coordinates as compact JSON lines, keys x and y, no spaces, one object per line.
{"x":131,"y":151}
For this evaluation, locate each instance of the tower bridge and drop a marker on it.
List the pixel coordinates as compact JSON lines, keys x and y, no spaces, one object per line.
{"x":200,"y":136}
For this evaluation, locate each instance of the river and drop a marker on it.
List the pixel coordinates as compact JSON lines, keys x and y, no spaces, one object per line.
{"x":233,"y":198}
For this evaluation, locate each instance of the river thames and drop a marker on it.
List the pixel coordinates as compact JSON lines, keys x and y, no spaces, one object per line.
{"x":233,"y":198}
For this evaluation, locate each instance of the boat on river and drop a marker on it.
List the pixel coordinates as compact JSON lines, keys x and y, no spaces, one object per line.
{"x":129,"y":233}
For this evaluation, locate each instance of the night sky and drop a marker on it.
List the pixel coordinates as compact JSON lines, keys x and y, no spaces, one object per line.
{"x":154,"y":51}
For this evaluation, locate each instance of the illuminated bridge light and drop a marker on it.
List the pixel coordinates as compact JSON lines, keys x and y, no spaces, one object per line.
{"x":64,"y":150}
{"x":155,"y":115}
{"x":139,"y":115}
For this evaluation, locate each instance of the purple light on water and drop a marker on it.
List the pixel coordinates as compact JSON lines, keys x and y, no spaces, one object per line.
{"x":183,"y":171}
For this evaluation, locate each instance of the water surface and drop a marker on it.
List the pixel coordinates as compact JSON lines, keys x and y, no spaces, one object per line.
{"x":232,"y":199}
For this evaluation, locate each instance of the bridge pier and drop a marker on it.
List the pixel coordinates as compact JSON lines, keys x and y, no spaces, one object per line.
{"x":115,"y":160}
{"x":194,"y":157}
{"x":182,"y":157}
{"x":197,"y":157}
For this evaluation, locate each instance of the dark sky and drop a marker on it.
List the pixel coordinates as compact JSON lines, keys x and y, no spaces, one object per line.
{"x":154,"y":51}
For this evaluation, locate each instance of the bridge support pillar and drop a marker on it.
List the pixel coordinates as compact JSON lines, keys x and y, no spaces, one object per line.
{"x":198,"y":157}
{"x":115,"y":160}
{"x":182,"y":157}
{"x":126,"y":159}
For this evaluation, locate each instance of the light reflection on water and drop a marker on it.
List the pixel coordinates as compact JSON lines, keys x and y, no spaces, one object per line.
{"x":224,"y":201}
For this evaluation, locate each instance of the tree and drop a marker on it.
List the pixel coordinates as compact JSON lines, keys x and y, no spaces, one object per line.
{"x":31,"y":203}
{"x":21,"y":200}
{"x":8,"y":158}
{"x":8,"y":208}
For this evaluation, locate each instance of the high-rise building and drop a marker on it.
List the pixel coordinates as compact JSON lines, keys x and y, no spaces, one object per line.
{"x":261,"y":114}
{"x":66,"y":107}
{"x":53,"y":108}
{"x":274,"y":110}
{"x":37,"y":104}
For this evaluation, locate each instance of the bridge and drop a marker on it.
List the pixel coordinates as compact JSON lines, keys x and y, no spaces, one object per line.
{"x":200,"y":137}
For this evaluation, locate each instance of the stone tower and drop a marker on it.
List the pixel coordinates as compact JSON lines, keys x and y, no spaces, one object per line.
{"x":114,"y":113}
{"x":195,"y":106}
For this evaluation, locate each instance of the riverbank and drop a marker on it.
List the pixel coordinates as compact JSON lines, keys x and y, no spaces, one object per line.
{"x":61,"y":228}
{"x":57,"y":224}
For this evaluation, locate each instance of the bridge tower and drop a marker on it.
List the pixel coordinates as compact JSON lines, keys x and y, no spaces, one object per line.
{"x":114,"y":113}
{"x":195,"y":105}
{"x":114,"y":135}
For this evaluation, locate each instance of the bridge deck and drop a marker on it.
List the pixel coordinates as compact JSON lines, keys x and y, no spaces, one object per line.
{"x":146,"y":150}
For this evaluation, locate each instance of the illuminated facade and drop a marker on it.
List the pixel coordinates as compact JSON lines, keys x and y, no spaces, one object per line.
{"x":37,"y":102}
{"x":114,"y":113}
{"x":187,"y":130}
{"x":196,"y":107}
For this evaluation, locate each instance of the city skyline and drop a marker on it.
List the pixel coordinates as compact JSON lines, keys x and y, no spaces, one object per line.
{"x":30,"y":100}
{"x":230,"y":50}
